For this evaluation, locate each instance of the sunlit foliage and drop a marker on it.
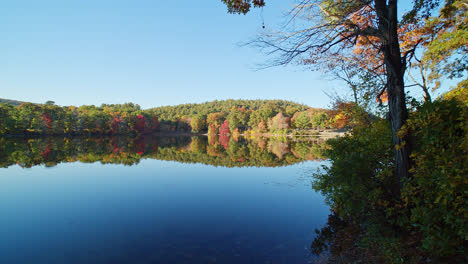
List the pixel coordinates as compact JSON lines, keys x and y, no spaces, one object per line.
{"x":237,"y":116}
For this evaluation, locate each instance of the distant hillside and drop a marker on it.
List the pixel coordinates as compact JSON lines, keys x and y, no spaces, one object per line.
{"x":12,"y":102}
{"x":189,"y":110}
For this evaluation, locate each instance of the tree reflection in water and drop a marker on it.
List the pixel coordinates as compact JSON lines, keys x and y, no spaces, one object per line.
{"x":212,"y":150}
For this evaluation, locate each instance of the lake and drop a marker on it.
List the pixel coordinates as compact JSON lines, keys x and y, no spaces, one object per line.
{"x":159,"y":200}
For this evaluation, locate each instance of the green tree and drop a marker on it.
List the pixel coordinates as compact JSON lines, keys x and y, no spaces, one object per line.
{"x":268,"y":111}
{"x":235,"y":119}
{"x":198,"y":123}
{"x":7,"y":124}
{"x":302,"y":121}
{"x":242,"y":6}
{"x":447,"y":53}
{"x":28,"y":117}
{"x":319,"y":120}
{"x":291,"y":110}
{"x":255,"y":119}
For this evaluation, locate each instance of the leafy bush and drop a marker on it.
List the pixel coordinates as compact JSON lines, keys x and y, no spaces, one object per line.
{"x":436,"y":192}
{"x":361,"y":170}
{"x":430,"y":215}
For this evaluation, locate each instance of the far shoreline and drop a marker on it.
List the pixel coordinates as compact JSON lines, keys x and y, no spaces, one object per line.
{"x":310,"y":133}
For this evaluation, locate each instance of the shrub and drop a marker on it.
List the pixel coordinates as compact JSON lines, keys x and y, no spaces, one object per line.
{"x":361,"y":170}
{"x":436,"y":192}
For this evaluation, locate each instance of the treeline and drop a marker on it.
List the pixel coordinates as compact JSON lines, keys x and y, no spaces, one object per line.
{"x":217,"y":117}
{"x":217,"y":151}
{"x":50,"y":119}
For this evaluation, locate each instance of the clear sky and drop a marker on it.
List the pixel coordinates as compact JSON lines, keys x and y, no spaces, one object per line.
{"x":148,"y":52}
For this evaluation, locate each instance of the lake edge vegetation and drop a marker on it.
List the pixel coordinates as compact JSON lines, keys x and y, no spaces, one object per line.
{"x":229,"y":117}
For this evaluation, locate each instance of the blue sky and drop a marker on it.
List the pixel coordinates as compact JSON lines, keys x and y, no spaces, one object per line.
{"x":148,"y":52}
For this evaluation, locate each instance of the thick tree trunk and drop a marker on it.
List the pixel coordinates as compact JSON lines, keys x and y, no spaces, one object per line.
{"x":395,"y":66}
{"x":398,"y":116}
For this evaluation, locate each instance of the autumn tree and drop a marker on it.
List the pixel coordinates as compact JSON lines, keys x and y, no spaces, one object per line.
{"x":279,"y":122}
{"x":224,"y":128}
{"x":214,"y":121}
{"x":140,"y":124}
{"x":261,"y":127}
{"x":331,"y":28}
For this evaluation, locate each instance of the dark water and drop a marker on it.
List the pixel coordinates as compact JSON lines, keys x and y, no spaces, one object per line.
{"x":79,"y":203}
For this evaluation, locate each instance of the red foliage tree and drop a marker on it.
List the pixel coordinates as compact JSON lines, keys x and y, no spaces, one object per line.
{"x":224,"y":128}
{"x":140,"y":124}
{"x":115,"y":124}
{"x":279,"y":122}
{"x":224,"y":140}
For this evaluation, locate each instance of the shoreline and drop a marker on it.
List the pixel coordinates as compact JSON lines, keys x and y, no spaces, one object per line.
{"x":315,"y":133}
{"x":312,"y":133}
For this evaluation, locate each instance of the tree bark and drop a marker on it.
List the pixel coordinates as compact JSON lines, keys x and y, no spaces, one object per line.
{"x":395,"y":66}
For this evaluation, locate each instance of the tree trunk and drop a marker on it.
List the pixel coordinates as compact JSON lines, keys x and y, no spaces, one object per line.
{"x":355,"y":93}
{"x":398,"y":117}
{"x":395,"y":66}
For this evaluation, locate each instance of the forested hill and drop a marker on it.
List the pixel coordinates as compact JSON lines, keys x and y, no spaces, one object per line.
{"x":11,"y":102}
{"x":203,"y":109}
{"x":234,"y":116}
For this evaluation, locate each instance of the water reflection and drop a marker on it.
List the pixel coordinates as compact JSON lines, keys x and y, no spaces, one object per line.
{"x":337,"y":241}
{"x":212,"y":150}
{"x":159,"y":211}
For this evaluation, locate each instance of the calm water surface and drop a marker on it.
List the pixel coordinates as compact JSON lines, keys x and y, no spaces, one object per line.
{"x":155,"y":211}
